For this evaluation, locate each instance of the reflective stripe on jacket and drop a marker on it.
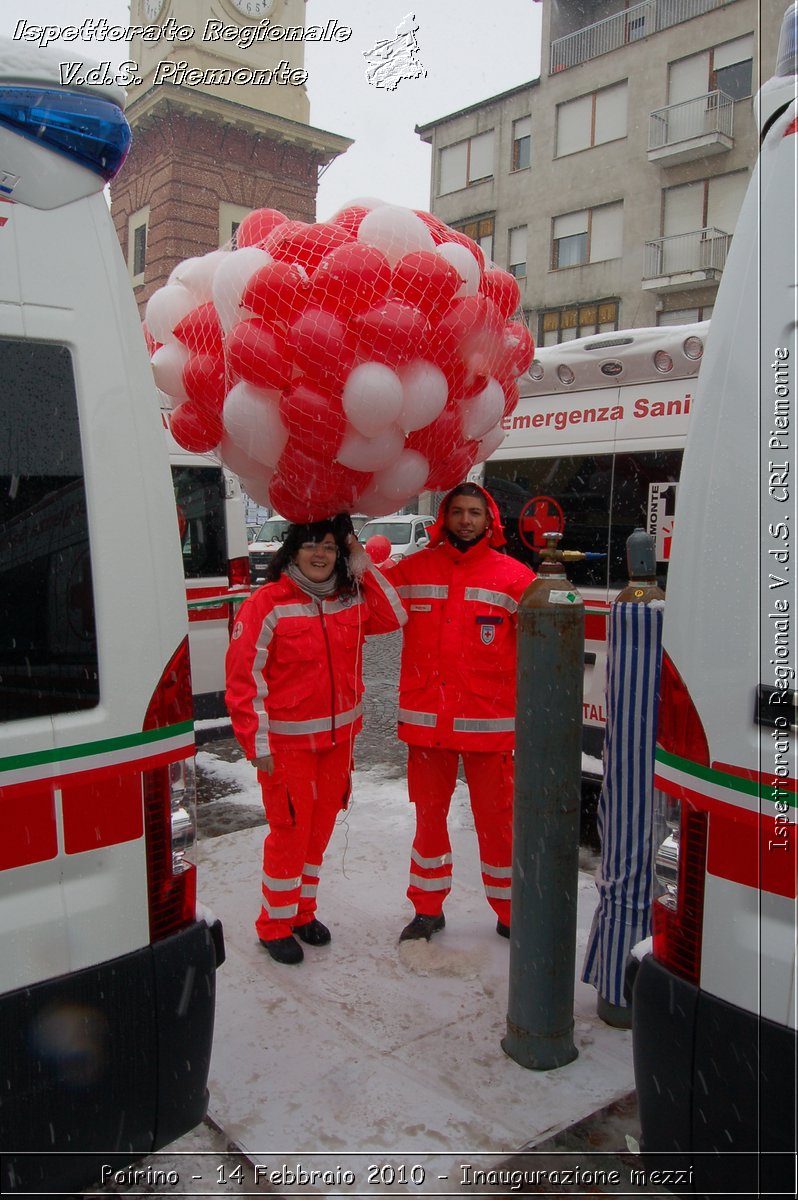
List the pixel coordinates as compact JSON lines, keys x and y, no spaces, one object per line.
{"x":294,"y":664}
{"x":457,"y":684}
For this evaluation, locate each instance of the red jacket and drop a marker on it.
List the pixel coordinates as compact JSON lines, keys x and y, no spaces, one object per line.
{"x":457,"y":684}
{"x":294,"y":665}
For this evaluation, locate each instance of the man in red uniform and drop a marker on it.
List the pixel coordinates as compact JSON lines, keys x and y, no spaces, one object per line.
{"x":457,"y":698}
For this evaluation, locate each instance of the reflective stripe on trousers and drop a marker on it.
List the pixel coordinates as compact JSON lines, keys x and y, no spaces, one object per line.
{"x":431,"y":778}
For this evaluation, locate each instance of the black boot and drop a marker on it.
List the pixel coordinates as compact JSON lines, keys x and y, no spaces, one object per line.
{"x":284,"y":950}
{"x":422,"y":927}
{"x":502,"y":929}
{"x":313,"y":933}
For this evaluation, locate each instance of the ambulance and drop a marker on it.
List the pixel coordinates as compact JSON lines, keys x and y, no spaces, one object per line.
{"x":594,"y":450}
{"x":216,"y":567}
{"x":107,"y":965}
{"x":714,"y":992}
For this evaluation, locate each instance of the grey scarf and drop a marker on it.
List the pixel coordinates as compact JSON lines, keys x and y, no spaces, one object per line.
{"x":319,"y":590}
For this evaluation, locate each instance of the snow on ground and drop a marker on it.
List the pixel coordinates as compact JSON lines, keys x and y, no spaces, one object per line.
{"x":370,"y":1048}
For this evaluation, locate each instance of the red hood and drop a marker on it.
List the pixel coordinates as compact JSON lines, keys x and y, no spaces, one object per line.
{"x":495,"y":535}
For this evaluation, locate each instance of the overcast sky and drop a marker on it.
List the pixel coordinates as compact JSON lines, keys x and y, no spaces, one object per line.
{"x":470,"y":49}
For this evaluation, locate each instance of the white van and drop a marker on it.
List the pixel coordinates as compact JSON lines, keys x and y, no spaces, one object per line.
{"x":213,"y":541}
{"x":594,"y":449}
{"x":107,"y":972}
{"x":714,"y":1001}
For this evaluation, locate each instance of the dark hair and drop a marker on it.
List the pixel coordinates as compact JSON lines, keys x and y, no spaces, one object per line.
{"x":314,"y":531}
{"x":466,"y":489}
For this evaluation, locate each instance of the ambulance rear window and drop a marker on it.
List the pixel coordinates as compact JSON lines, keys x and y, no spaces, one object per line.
{"x":602,"y":497}
{"x":48,"y":642}
{"x":199,"y":493}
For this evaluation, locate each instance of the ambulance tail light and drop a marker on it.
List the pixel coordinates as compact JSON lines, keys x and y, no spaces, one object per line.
{"x":677,"y":916}
{"x":679,"y":728}
{"x":169,"y":808}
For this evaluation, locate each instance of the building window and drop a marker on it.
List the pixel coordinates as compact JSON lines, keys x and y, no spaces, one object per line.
{"x":704,"y":204}
{"x":557,"y":325}
{"x":516,"y":258}
{"x":592,"y":120}
{"x":590,"y":236}
{"x":685,"y":316}
{"x":230,"y":217}
{"x":480,"y":230}
{"x":137,"y":227}
{"x":522,"y":143}
{"x":465,"y":163}
{"x":727,"y":68}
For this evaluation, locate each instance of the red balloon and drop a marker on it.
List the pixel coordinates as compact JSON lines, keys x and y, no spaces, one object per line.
{"x":390,"y":334}
{"x":470,"y":336}
{"x":350,"y":218}
{"x":350,"y":279}
{"x":438,"y":439}
{"x":258,"y":353}
{"x":502,"y":288}
{"x":257,"y":226}
{"x":314,"y":418}
{"x":440,"y":232}
{"x":204,"y":382}
{"x":378,"y":549}
{"x":201,"y":330}
{"x":425,"y":280}
{"x":195,"y":429}
{"x":448,"y":472}
{"x":307,"y":245}
{"x":280,"y":232}
{"x":511,"y":397}
{"x":276,"y":292}
{"x":307,"y":488}
{"x":320,"y":345}
{"x":520,"y":344}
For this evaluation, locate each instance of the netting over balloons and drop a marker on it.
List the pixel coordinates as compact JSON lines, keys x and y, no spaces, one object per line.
{"x":342,"y":366}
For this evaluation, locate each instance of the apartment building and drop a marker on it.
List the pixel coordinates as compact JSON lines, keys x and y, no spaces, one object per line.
{"x":610,"y":185}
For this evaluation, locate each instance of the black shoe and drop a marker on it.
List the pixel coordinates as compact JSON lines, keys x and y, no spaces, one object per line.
{"x":313,"y":933}
{"x":284,"y":950}
{"x":422,"y":927}
{"x":502,"y":929}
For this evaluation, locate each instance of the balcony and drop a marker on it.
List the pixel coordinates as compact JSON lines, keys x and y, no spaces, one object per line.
{"x":628,"y":25}
{"x":692,"y":129}
{"x":685,"y":260}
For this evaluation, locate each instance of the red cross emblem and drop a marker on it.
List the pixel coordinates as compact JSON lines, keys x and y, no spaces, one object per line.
{"x":539,"y":516}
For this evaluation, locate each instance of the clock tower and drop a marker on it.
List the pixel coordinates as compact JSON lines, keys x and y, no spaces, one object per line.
{"x":219,"y":112}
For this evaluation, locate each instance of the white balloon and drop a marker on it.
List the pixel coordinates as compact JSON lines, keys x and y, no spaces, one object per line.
{"x":368,"y":202}
{"x":372,"y":398}
{"x":490,"y":443}
{"x":464,"y":263}
{"x":252,"y":420}
{"x":166,"y":308}
{"x":404,"y":478}
{"x":395,"y":231}
{"x":230,"y":280}
{"x":167,"y":368}
{"x":481,"y":412}
{"x":257,"y":487}
{"x":425,"y":391}
{"x":239,"y":462}
{"x":370,"y":454}
{"x":197,"y":273}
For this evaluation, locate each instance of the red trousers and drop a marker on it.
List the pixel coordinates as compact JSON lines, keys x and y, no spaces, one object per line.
{"x":431,"y":778}
{"x":302,"y":798}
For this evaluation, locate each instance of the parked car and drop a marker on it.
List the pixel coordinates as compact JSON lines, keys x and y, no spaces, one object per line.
{"x":264,"y":547}
{"x":406,"y":533}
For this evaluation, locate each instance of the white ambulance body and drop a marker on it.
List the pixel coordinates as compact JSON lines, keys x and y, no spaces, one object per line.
{"x":594,"y":448}
{"x":714,"y":1002}
{"x":213,"y":540}
{"x":106,"y":972}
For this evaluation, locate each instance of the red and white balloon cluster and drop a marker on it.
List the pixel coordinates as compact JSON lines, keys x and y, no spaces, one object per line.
{"x":342,"y":366}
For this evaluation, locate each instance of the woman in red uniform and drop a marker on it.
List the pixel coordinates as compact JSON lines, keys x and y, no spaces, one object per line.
{"x":294,"y":683}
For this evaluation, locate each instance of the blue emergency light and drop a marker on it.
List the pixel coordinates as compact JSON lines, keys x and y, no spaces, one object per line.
{"x":87,"y":129}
